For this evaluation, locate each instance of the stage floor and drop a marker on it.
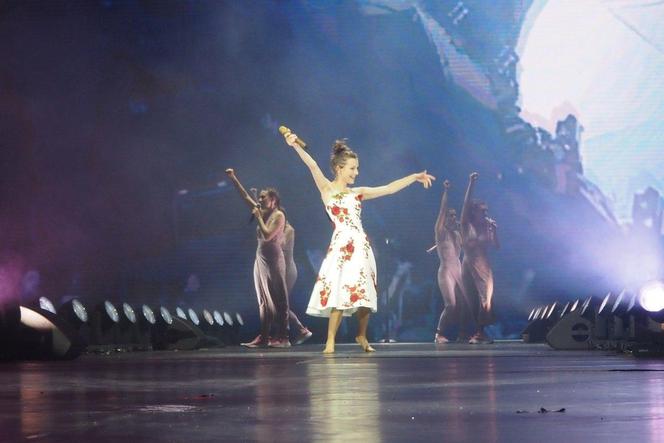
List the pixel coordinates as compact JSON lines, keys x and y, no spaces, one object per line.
{"x":403,"y":392}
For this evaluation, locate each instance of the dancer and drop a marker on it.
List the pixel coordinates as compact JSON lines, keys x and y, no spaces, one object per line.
{"x":269,"y":266}
{"x":346,"y":282}
{"x":478,"y":232}
{"x":288,"y":245}
{"x":448,"y":246}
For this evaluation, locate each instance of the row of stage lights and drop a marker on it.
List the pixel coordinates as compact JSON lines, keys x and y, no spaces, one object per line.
{"x":39,"y":330}
{"x":625,"y":321}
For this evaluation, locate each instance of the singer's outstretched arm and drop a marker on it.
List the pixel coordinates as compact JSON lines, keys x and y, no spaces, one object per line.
{"x":442,"y":213}
{"x":322,"y":183}
{"x":396,"y":186}
{"x":466,"y":201}
{"x":240,"y":189}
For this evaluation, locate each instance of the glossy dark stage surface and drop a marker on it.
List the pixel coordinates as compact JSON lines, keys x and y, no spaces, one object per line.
{"x":403,"y":392}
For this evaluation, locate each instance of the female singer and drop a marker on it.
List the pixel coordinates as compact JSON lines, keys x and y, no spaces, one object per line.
{"x":269,"y":266}
{"x":346,"y":282}
{"x":478,"y":232}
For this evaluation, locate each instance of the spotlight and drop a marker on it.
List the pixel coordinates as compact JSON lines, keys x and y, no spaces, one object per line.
{"x":535,"y":330}
{"x":105,"y":333}
{"x":128,"y":327}
{"x":193,"y":317}
{"x":651,"y":297}
{"x":179,"y":333}
{"x":602,"y":320}
{"x":47,"y":305}
{"x":42,"y":335}
{"x":75,"y":314}
{"x":180,"y":313}
{"x":228,"y":330}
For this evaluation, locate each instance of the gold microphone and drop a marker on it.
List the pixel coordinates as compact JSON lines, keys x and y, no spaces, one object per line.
{"x":286,"y":132}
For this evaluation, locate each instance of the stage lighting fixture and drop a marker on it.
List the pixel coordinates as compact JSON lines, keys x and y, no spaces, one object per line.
{"x":128,"y":324}
{"x":171,"y":333}
{"x":535,"y":330}
{"x":651,"y":297}
{"x":193,"y":317}
{"x":575,"y":305}
{"x":180,"y":313}
{"x":145,"y":321}
{"x":208,"y":318}
{"x":532,"y":314}
{"x":572,"y":331}
{"x":43,"y":335}
{"x":602,"y":320}
{"x":165,"y":315}
{"x":228,"y":329}
{"x":565,"y":309}
{"x":218,"y":318}
{"x":148,"y":315}
{"x":619,"y":321}
{"x":74,"y":312}
{"x":47,"y":305}
{"x":105,"y":333}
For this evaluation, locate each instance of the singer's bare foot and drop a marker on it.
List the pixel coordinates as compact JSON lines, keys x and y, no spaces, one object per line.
{"x":329,"y":348}
{"x":364,"y":343}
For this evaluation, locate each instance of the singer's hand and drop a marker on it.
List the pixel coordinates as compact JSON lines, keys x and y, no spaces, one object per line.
{"x":425,"y":179}
{"x":257,"y":212}
{"x":446,"y":184}
{"x":474,"y":176}
{"x":230,"y":172}
{"x":291,"y":140}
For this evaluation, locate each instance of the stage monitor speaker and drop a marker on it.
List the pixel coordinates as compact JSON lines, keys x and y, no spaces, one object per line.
{"x":573,"y":331}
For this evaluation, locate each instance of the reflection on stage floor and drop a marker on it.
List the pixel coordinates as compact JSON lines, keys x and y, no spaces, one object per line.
{"x":508,"y":391}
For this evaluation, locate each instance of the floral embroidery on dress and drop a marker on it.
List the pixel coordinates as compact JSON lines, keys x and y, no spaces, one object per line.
{"x":347,"y":276}
{"x":346,"y":253}
{"x":324,"y":293}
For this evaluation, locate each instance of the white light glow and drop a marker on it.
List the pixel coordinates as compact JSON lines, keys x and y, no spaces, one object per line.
{"x":603,"y":62}
{"x":651,"y":296}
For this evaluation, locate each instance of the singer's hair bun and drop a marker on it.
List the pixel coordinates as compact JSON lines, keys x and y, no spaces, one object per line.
{"x":340,"y":146}
{"x":341,"y":152}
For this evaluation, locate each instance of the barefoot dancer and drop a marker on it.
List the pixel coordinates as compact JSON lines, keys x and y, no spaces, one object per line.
{"x":269,"y":267}
{"x":346,"y":282}
{"x":478,"y":232}
{"x":448,"y":246}
{"x":291,"y":276}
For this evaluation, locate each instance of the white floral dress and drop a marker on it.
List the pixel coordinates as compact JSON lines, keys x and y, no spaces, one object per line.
{"x":347,"y":276}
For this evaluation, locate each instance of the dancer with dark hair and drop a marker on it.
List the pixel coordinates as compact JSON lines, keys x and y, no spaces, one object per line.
{"x":448,"y":246}
{"x":288,"y":245}
{"x":478,"y":232}
{"x":346,"y":282}
{"x":269,"y":266}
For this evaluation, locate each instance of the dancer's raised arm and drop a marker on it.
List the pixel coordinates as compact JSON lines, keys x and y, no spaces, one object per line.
{"x":322,"y":183}
{"x":442,"y":213}
{"x":465,"y":212}
{"x":396,"y":186}
{"x":240,"y":189}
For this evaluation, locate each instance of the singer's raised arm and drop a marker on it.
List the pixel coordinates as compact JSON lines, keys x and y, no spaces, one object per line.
{"x":322,"y":183}
{"x":240,"y":189}
{"x":442,"y":213}
{"x":395,"y":186}
{"x":466,"y":201}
